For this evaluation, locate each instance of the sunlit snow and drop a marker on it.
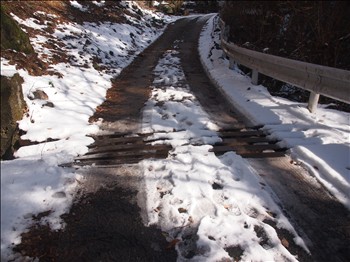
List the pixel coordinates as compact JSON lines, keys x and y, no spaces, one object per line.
{"x":181,"y":191}
{"x":320,"y":141}
{"x":192,"y":189}
{"x":34,"y":182}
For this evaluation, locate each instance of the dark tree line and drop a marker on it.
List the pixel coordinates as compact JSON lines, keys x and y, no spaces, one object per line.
{"x":312,"y":31}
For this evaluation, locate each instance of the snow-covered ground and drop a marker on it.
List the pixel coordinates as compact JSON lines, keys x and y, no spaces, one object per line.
{"x":193,"y":192}
{"x":221,"y":197}
{"x":34,"y":182}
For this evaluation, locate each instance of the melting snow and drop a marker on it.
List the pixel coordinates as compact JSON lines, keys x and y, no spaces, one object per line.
{"x":216,"y":203}
{"x":207,"y":203}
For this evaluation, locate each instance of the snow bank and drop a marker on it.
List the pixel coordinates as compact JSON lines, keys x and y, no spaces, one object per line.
{"x":320,"y":141}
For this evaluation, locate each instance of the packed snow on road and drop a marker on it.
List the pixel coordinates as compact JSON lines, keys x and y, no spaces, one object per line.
{"x":221,"y":200}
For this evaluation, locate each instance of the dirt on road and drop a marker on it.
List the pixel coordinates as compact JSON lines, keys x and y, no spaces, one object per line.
{"x":104,"y":223}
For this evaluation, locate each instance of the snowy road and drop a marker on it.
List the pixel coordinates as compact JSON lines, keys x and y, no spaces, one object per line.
{"x":302,"y":198}
{"x":207,"y":208}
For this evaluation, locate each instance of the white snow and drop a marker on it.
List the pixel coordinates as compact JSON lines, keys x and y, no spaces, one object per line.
{"x":221,"y":199}
{"x":29,"y":187}
{"x":6,"y":68}
{"x":30,"y":22}
{"x":99,"y":3}
{"x":78,"y":6}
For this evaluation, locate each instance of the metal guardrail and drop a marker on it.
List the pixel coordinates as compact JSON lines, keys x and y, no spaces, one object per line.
{"x":324,"y":80}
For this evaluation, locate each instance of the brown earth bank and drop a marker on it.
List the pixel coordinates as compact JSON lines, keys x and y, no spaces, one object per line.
{"x":104,"y":223}
{"x":16,"y":47}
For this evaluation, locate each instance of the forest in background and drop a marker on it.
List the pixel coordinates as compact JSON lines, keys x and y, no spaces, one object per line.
{"x":312,"y":31}
{"x":316,"y":32}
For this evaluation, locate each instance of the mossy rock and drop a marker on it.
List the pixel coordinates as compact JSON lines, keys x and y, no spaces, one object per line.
{"x":12,"y":36}
{"x":13,"y":107}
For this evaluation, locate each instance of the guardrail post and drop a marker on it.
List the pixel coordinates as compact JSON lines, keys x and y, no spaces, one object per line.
{"x":313,"y":100}
{"x":231,"y":64}
{"x":324,"y":80}
{"x":255,"y":77}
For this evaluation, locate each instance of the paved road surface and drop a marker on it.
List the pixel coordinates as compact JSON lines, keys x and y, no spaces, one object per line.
{"x":105,"y":223}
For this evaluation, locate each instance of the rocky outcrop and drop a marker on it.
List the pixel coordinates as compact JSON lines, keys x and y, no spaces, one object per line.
{"x":13,"y":107}
{"x":12,"y":36}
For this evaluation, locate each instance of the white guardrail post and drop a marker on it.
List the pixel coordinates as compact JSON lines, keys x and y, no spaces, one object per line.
{"x":313,"y":100}
{"x":231,"y":64}
{"x":319,"y":80}
{"x":255,"y":77}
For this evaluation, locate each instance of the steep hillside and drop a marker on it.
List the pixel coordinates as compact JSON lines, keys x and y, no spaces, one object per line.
{"x":69,"y":40}
{"x":58,"y":27}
